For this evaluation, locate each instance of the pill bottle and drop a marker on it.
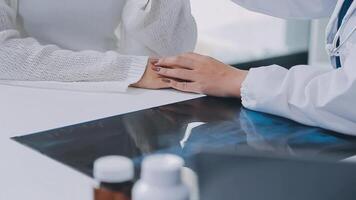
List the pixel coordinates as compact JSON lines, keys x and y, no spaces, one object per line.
{"x":114,"y":175}
{"x":161,"y":179}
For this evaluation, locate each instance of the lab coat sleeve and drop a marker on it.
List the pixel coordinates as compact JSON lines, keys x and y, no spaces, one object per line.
{"x":157,"y":27}
{"x":291,"y":9}
{"x":310,"y":95}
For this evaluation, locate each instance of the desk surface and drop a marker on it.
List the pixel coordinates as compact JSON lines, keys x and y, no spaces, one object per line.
{"x":185,"y":128}
{"x":27,"y":174}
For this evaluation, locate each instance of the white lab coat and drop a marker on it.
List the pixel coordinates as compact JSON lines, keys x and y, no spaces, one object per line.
{"x":316,"y":96}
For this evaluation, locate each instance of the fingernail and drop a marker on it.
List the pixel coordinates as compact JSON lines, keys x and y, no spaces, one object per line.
{"x":166,"y":80}
{"x":157,"y":69}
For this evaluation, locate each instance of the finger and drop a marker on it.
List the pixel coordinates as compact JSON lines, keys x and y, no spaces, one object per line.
{"x":181,"y":61}
{"x":183,"y":74}
{"x":158,"y":83}
{"x":161,"y":83}
{"x":153,"y":60}
{"x":184,"y":86}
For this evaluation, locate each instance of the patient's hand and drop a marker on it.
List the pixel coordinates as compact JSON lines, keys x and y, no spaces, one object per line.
{"x":195,"y":73}
{"x":150,"y":79}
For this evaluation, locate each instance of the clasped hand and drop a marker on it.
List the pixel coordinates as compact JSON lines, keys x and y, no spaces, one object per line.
{"x":191,"y":72}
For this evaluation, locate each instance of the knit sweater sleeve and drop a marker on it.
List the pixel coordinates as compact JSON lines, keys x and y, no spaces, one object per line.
{"x":160,"y":27}
{"x":26,"y":59}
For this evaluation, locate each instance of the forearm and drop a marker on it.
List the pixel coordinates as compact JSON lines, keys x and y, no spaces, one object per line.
{"x":309,"y":95}
{"x":26,"y":59}
{"x":291,"y":9}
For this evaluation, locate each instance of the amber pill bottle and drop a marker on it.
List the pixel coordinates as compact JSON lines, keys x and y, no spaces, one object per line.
{"x":114,"y":176}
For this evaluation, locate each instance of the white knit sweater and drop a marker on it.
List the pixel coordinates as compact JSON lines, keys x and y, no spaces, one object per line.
{"x":148,"y":27}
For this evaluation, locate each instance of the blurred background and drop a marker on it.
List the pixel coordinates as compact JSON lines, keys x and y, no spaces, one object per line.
{"x":240,"y":37}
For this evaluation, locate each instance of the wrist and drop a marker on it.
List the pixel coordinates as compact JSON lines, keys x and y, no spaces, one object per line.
{"x":238,"y":78}
{"x":142,"y":75}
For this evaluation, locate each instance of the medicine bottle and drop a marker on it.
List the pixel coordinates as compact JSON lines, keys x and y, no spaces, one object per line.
{"x":161,"y":179}
{"x":114,"y":175}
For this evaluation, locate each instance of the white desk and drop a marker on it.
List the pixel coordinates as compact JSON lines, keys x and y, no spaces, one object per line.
{"x":28,"y":175}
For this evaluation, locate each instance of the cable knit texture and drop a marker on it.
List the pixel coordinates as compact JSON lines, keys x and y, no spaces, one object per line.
{"x":149,"y":27}
{"x":163,"y":27}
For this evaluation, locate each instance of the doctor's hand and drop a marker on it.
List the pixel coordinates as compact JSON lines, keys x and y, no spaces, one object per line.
{"x":196,"y":73}
{"x":150,"y":79}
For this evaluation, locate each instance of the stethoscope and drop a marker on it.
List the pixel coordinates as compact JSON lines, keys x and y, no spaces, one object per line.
{"x":333,"y":49}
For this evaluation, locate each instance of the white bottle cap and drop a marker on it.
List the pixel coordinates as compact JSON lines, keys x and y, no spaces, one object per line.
{"x":162,"y":169}
{"x":113,"y":169}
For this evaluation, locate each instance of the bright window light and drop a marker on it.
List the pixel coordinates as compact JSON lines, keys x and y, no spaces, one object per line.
{"x":234,"y":35}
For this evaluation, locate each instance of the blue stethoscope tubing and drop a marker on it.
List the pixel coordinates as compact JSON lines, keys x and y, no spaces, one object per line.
{"x":332,"y":48}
